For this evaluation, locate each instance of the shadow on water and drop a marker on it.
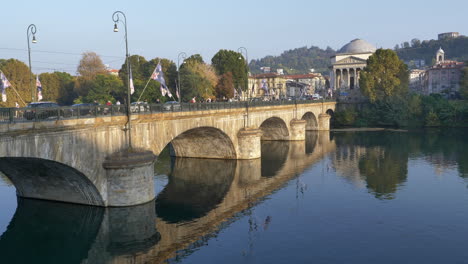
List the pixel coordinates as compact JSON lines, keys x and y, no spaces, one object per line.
{"x":274,"y":155}
{"x":50,"y":232}
{"x":196,"y":186}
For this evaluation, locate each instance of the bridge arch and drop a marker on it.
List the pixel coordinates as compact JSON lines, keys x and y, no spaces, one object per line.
{"x":50,"y":180}
{"x":274,"y":128}
{"x":311,"y":120}
{"x":204,"y":142}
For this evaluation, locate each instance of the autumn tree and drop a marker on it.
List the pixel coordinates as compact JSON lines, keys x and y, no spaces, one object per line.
{"x":197,"y":79}
{"x":384,"y":76}
{"x":18,"y":75}
{"x":230,"y":61}
{"x":225,"y":86}
{"x":89,"y":67}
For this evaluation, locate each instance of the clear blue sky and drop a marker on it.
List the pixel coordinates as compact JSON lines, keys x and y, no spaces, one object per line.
{"x":165,"y":28}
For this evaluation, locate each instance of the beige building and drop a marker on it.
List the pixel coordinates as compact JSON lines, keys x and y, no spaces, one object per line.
{"x":443,"y":77}
{"x":270,"y":85}
{"x":346,"y":65}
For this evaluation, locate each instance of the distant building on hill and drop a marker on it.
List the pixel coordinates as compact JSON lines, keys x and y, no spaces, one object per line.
{"x":448,"y":35}
{"x":441,"y":78}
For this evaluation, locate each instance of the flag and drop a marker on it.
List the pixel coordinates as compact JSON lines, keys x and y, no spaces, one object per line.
{"x":39,"y":88}
{"x":158,"y":75}
{"x":177,"y":90}
{"x":132,"y":88}
{"x":3,"y":85}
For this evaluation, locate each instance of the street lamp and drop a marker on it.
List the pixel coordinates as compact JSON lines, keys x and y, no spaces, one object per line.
{"x":116,"y":19}
{"x":241,"y":50}
{"x":184,"y":57}
{"x":31,"y":30}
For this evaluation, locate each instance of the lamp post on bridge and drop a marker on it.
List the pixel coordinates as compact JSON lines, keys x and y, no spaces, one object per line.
{"x":31,"y":30}
{"x":241,"y":50}
{"x":116,"y":19}
{"x":184,"y":57}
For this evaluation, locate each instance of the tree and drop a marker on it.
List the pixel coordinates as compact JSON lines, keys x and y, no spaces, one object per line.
{"x":105,"y":87}
{"x":415,"y":43}
{"x":66,"y":90}
{"x":230,"y":61}
{"x":464,"y":82}
{"x":225,"y":86}
{"x":384,"y":76}
{"x":198,"y":79}
{"x":50,"y":86}
{"x":18,"y":75}
{"x":89,"y":67}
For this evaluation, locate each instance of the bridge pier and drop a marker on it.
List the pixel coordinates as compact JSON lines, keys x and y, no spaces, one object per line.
{"x":249,"y":143}
{"x":129,"y":178}
{"x":298,"y":127}
{"x":324,"y":122}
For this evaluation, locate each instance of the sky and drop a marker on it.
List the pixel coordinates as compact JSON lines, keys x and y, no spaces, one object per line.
{"x":66,"y":29}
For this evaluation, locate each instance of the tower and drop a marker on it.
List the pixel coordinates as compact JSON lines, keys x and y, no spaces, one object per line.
{"x":440,"y":56}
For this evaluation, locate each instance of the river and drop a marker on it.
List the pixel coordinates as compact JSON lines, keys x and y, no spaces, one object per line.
{"x":339,"y":197}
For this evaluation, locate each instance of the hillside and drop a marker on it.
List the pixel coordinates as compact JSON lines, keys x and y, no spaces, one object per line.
{"x":296,"y":61}
{"x":455,"y":49}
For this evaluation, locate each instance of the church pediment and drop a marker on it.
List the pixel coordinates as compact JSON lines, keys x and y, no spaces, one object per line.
{"x":350,"y":60}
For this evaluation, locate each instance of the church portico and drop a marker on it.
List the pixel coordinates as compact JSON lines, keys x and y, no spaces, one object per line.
{"x":347,"y":64}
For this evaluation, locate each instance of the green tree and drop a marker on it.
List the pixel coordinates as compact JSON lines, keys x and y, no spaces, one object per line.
{"x":464,"y":83}
{"x":50,"y":86}
{"x":105,"y":87}
{"x":66,"y":90}
{"x":384,"y":76}
{"x":230,"y":61}
{"x":18,"y":75}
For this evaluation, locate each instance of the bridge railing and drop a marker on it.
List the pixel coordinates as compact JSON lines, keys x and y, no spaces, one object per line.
{"x":27,"y":114}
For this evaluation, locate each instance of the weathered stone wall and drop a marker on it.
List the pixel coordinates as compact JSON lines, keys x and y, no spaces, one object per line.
{"x":84,"y":144}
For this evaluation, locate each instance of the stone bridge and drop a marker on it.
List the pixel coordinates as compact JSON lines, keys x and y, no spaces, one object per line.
{"x":152,"y":232}
{"x":77,"y":160}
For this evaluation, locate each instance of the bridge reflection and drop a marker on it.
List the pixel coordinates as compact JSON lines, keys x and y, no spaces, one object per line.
{"x":201,"y":198}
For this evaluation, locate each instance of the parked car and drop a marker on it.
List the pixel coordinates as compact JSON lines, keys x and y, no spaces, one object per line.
{"x":171,"y":106}
{"x":41,"y":110}
{"x":316,"y":97}
{"x":85,"y":109}
{"x":136,"y":107}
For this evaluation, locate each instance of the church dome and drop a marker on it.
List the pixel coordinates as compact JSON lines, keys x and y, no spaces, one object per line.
{"x":357,"y":46}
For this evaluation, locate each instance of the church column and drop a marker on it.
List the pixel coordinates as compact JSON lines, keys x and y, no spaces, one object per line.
{"x":349,"y":78}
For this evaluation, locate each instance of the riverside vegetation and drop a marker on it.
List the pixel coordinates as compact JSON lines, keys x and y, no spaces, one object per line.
{"x":384,"y":83}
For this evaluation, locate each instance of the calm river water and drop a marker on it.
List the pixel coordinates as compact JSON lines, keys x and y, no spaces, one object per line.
{"x":340,"y":197}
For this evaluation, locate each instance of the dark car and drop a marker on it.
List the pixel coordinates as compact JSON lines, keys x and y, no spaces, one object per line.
{"x":41,"y":110}
{"x":84,"y":109}
{"x":171,"y":106}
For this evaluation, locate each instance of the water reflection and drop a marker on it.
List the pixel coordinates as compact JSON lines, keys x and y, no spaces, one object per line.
{"x":380,"y":159}
{"x":196,"y":186}
{"x":274,"y":155}
{"x":49,"y":232}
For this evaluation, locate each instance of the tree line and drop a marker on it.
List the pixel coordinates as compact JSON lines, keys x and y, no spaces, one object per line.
{"x":93,"y":83}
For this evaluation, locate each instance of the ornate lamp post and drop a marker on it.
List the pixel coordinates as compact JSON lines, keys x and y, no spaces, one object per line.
{"x":116,"y":19}
{"x":184,"y":57}
{"x":31,"y":30}
{"x":241,"y":50}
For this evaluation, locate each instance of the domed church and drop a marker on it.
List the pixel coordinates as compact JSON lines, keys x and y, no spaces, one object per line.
{"x":347,"y":63}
